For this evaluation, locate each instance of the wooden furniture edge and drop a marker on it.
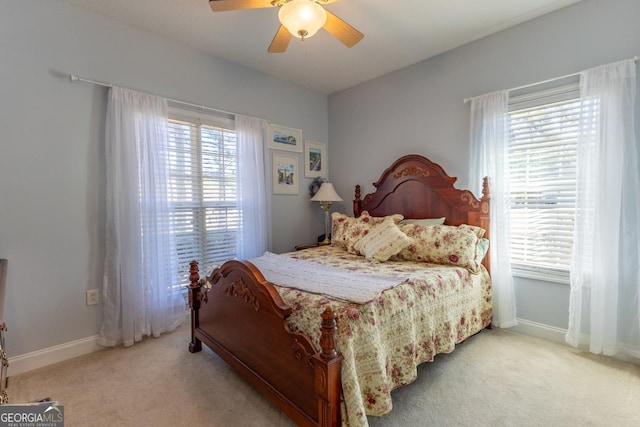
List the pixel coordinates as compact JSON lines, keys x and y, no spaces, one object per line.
{"x":325,"y":363}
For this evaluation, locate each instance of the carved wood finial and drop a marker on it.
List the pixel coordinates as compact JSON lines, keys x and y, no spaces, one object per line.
{"x":328,"y":334}
{"x":485,"y":188}
{"x":194,"y":277}
{"x":357,"y":203}
{"x":197,"y":293}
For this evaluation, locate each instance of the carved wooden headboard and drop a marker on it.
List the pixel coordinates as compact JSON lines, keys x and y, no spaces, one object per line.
{"x":416,"y":187}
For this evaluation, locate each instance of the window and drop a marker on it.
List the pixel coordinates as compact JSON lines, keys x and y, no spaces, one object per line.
{"x":543,"y":134}
{"x":203,"y":190}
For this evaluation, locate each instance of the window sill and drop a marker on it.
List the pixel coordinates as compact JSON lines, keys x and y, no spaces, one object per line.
{"x":561,"y":277}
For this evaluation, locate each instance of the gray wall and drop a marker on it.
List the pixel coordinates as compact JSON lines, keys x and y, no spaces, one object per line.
{"x":420,"y":109}
{"x":52,"y":185}
{"x":52,"y":161}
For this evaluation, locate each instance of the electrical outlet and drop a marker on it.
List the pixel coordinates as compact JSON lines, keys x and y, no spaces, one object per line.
{"x":92,"y":297}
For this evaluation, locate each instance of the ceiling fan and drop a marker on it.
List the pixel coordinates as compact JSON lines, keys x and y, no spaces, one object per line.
{"x":299,"y":18}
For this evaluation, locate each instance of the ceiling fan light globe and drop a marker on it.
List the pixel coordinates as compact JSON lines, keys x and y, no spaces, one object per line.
{"x":303,"y":18}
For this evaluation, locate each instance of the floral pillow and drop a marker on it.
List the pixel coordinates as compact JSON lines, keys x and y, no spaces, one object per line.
{"x":375,"y":220}
{"x":382,"y":241}
{"x":478,"y":230}
{"x":347,"y":230}
{"x":442,"y":244}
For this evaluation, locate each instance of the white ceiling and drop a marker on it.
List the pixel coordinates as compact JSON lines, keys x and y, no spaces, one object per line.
{"x":397,"y":33}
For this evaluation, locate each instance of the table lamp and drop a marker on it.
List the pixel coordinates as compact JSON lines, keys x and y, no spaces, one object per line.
{"x":326,"y":195}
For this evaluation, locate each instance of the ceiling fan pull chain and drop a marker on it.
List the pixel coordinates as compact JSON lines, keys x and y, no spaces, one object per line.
{"x":305,"y":65}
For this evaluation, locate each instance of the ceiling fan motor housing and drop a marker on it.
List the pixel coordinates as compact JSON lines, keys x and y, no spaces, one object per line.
{"x":303,"y":18}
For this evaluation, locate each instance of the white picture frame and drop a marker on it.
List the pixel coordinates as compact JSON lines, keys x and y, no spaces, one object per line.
{"x":286,"y":175}
{"x":316,"y":161}
{"x":284,"y":138}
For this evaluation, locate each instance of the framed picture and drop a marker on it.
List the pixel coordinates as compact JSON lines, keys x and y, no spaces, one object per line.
{"x":282,"y":138}
{"x":315,"y":159}
{"x":285,"y":174}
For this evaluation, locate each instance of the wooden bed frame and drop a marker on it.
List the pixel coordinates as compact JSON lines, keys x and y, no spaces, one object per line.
{"x":243,"y":319}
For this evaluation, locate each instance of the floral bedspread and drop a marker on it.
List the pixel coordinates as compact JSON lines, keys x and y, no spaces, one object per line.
{"x":384,"y":340}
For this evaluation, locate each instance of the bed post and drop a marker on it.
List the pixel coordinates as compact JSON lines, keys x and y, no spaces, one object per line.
{"x":357,"y":203}
{"x":327,"y":372}
{"x":485,"y":219}
{"x":195,"y":298}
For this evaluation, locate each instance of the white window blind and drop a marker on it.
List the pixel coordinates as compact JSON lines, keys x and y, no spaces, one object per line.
{"x":543,"y":132}
{"x":203,"y":192}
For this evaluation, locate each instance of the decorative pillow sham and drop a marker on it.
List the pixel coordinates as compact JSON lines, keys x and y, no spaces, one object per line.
{"x":424,"y":221}
{"x":347,"y":230}
{"x":442,"y":244}
{"x":479,"y":231}
{"x":375,"y":220}
{"x":383,"y":241}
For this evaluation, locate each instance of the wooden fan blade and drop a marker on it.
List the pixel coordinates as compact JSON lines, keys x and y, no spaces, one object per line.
{"x":225,"y":5}
{"x":281,"y":41}
{"x":344,"y":32}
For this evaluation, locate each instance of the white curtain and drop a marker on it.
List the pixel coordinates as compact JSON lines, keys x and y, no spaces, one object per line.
{"x":605,"y":271}
{"x":489,"y":151}
{"x":137,"y":298}
{"x":252,"y":187}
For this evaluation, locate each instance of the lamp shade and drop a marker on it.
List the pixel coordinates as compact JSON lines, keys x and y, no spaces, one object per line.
{"x":326,"y":193}
{"x":303,"y":18}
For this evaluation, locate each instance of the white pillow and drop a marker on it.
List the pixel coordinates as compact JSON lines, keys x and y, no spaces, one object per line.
{"x":383,"y":241}
{"x":483,"y":248}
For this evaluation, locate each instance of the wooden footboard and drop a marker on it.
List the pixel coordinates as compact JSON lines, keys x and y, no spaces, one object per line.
{"x":243,"y":319}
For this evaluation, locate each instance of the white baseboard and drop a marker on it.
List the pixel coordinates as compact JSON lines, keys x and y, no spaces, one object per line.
{"x":551,"y":333}
{"x":58,"y":353}
{"x":47,"y":356}
{"x":540,"y":330}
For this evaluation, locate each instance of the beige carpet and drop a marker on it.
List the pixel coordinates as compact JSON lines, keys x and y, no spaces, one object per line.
{"x":496,"y":378}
